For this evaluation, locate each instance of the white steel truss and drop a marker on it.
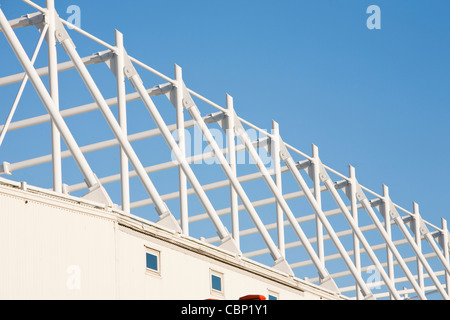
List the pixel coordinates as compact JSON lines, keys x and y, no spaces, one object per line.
{"x":402,"y":273}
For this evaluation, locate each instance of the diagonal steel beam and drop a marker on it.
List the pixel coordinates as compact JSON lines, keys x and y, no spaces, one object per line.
{"x":27,"y":20}
{"x":54,"y":92}
{"x":326,"y":280}
{"x":426,"y":233}
{"x":166,"y":217}
{"x":90,"y":178}
{"x":190,"y":106}
{"x":287,"y":158}
{"x":5,"y":127}
{"x":134,"y":78}
{"x":326,"y":180}
{"x":368,"y":208}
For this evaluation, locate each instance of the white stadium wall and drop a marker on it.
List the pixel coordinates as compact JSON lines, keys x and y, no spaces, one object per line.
{"x":61,"y":247}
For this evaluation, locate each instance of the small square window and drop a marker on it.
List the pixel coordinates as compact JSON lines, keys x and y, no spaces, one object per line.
{"x":216,"y":282}
{"x":152,"y":260}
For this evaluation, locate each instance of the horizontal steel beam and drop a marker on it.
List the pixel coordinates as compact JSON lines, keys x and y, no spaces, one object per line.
{"x":155,"y":91}
{"x":27,"y":20}
{"x":95,"y":58}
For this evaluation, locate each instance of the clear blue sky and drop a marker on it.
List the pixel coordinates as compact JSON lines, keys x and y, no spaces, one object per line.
{"x":376,"y":99}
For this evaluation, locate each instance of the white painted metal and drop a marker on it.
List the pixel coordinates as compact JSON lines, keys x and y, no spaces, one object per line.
{"x":385,"y":256}
{"x":286,"y":157}
{"x":122,"y":107}
{"x":47,"y":100}
{"x":387,"y":223}
{"x":231,"y":151}
{"x":363,"y":199}
{"x":163,"y":211}
{"x":317,"y":196}
{"x":389,"y":281}
{"x":277,"y":170}
{"x":418,"y":238}
{"x":51,"y":17}
{"x":92,"y":59}
{"x":354,"y":212}
{"x":445,"y":245}
{"x":427,"y":267}
{"x":182,"y":145}
{"x":195,"y":114}
{"x":227,"y":240}
{"x":22,"y":87}
{"x":243,"y":136}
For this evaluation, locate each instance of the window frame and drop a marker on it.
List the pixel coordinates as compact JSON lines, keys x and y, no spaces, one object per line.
{"x":157,"y":254}
{"x":274,"y":294}
{"x":219,"y":275}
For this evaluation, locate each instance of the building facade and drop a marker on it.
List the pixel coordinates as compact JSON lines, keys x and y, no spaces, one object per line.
{"x":62,"y":247}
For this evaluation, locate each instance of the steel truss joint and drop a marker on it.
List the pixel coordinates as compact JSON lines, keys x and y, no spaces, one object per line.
{"x":282,"y":265}
{"x":167,"y":220}
{"x":98,"y":193}
{"x":5,"y":168}
{"x":329,"y":284}
{"x":229,"y":244}
{"x":61,"y":34}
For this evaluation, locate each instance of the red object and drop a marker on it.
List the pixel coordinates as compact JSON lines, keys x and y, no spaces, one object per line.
{"x":253,"y":297}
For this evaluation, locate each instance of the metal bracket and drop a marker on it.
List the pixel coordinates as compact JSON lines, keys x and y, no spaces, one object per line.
{"x":301,"y":165}
{"x":168,"y":220}
{"x":5,"y":168}
{"x":229,"y":244}
{"x":34,"y":18}
{"x":172,"y":95}
{"x":61,"y":34}
{"x":129,"y":70}
{"x":282,"y":265}
{"x":444,"y":246}
{"x":423,"y":228}
{"x":27,"y":20}
{"x":329,"y":284}
{"x":393,"y":213}
{"x":323,"y":174}
{"x":102,"y":56}
{"x":187,"y":101}
{"x":98,"y":193}
{"x":215,"y":117}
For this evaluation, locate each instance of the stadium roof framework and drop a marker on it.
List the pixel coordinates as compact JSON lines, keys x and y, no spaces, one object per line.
{"x":312,"y":222}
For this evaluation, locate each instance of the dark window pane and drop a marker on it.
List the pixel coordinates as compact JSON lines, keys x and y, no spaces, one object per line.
{"x":216,"y":283}
{"x":152,"y":261}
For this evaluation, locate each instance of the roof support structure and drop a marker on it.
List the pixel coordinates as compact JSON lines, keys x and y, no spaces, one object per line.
{"x":365,"y":203}
{"x":231,"y":148}
{"x":22,"y":86}
{"x":326,"y":280}
{"x":50,"y":18}
{"x":401,"y":224}
{"x":135,"y":80}
{"x":48,"y":102}
{"x":395,"y":230}
{"x":287,"y":158}
{"x":275,"y":153}
{"x":166,"y":217}
{"x":330,"y":186}
{"x":119,"y":60}
{"x":190,"y":106}
{"x":182,"y":182}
